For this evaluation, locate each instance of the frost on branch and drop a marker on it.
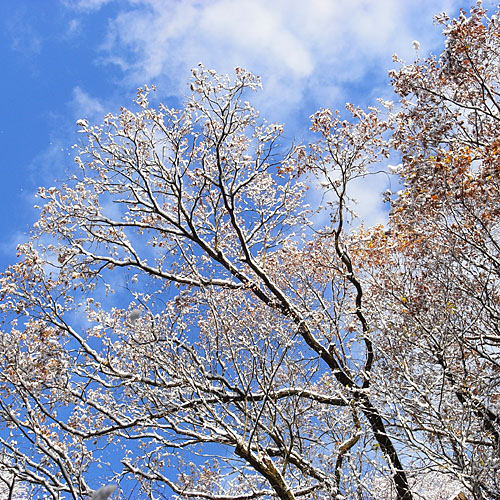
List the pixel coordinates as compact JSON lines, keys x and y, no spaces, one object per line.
{"x":435,"y":277}
{"x":229,"y":357}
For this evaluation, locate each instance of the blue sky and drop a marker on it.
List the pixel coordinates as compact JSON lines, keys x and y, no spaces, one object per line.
{"x":67,"y":59}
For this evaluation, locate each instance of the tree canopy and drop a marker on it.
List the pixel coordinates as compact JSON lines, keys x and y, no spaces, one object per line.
{"x":183,"y":322}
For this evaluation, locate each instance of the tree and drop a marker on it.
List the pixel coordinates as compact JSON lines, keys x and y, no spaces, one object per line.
{"x":10,"y":489}
{"x":178,"y":308}
{"x":435,"y":278}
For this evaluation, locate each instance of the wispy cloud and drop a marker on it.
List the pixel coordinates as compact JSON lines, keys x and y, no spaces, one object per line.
{"x":87,"y":5}
{"x":74,"y":28}
{"x":297,"y":47}
{"x":23,"y":36}
{"x":86,"y":106}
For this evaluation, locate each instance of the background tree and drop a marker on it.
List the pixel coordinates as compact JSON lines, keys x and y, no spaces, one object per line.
{"x":179,"y":319}
{"x":434,"y":300}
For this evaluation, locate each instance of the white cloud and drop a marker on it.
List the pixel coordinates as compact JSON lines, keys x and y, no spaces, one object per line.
{"x":367,"y":192}
{"x":22,"y":33}
{"x":74,"y":28}
{"x":87,"y":5}
{"x":304,"y":51}
{"x":258,"y":35}
{"x":285,"y":36}
{"x":86,"y":106}
{"x":315,"y":50}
